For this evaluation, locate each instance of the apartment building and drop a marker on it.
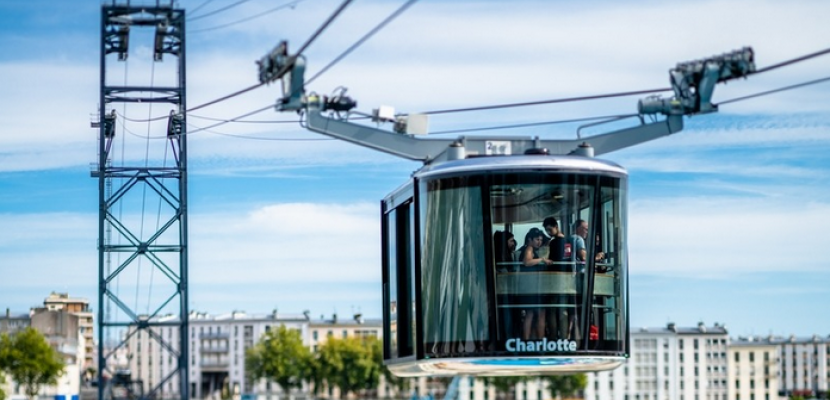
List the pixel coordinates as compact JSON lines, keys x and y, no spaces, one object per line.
{"x":753,"y":372}
{"x":804,"y":365}
{"x":668,"y":363}
{"x":79,"y":307}
{"x":61,"y":330}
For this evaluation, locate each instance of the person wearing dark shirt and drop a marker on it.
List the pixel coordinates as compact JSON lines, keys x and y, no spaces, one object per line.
{"x":556,"y":244}
{"x":504,"y":244}
{"x":533,"y":262}
{"x":557,"y":316}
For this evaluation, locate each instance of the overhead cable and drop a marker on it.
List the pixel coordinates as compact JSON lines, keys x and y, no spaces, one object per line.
{"x":530,"y":124}
{"x":248,"y":114}
{"x":781,"y":89}
{"x":365,"y":37}
{"x":323,"y":26}
{"x":248,"y":137}
{"x":793,"y":61}
{"x":200,"y":6}
{"x":214,"y":12}
{"x":246,"y":122}
{"x":264,"y":13}
{"x":248,"y":89}
{"x":552,"y":101}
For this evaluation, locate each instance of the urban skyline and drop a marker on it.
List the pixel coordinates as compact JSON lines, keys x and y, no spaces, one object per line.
{"x":726,"y":217}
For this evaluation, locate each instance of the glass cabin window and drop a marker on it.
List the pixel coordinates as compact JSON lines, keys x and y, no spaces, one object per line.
{"x":543,"y":295}
{"x":454,"y":285}
{"x":564,"y":281}
{"x":398,"y":282}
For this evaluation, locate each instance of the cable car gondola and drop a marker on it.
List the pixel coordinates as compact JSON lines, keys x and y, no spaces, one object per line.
{"x":457,"y":299}
{"x":452,"y":305}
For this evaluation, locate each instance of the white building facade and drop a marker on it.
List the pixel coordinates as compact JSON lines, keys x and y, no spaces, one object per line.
{"x":753,"y":369}
{"x":217,"y":351}
{"x":805,"y":365}
{"x":671,"y":363}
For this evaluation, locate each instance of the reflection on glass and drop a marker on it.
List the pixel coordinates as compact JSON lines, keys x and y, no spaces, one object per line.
{"x":523,"y":263}
{"x":453,"y":274}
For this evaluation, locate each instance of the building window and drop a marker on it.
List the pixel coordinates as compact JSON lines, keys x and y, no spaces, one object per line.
{"x":314,"y":335}
{"x":737,"y":357}
{"x":345,"y":334}
{"x":751,"y":356}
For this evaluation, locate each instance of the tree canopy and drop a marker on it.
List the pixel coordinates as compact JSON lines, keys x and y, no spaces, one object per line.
{"x":350,"y":364}
{"x":566,"y":385}
{"x":29,"y":360}
{"x":281,"y":357}
{"x":505,"y":385}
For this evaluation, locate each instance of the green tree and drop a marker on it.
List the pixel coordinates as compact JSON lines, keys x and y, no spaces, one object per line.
{"x":349,"y":364}
{"x":4,"y":349}
{"x":30,"y":361}
{"x":505,"y":385}
{"x":566,"y":385}
{"x":401,"y":385}
{"x":281,"y":357}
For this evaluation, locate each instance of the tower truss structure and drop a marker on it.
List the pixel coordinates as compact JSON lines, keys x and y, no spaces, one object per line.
{"x":142,"y":225}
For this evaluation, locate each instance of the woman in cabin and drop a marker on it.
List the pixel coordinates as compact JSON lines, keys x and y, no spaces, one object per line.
{"x":532,"y":262}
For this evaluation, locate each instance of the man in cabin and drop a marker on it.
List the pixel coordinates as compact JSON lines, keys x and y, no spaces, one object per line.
{"x":577,"y":242}
{"x":557,"y":315}
{"x":556,"y":242}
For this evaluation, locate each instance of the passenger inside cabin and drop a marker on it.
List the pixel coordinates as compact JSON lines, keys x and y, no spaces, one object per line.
{"x":531,"y":262}
{"x":504,"y":246}
{"x":577,"y":242}
{"x":556,"y":244}
{"x":558,"y":316}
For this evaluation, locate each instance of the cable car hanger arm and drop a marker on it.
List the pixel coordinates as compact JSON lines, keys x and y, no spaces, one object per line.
{"x":692,"y":82}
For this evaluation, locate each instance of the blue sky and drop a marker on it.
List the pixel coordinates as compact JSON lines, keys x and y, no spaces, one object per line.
{"x":727,"y":218}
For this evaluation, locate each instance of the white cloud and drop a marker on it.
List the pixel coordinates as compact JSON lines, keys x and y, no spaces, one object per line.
{"x":723,"y":238}
{"x":298,"y":242}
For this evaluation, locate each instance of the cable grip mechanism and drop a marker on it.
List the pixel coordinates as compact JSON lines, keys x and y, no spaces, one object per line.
{"x":693,"y":83}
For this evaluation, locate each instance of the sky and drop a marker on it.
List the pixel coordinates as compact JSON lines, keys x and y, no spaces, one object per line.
{"x":727,"y":217}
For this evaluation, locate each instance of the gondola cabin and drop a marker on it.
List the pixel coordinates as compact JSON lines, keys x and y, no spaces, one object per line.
{"x":496,"y":263}
{"x":506,"y":265}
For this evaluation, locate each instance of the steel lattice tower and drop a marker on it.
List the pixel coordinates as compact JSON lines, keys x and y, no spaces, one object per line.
{"x":142,"y":225}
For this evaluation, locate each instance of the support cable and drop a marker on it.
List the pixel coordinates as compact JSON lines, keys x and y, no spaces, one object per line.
{"x":248,"y":137}
{"x":217,"y":11}
{"x":792,"y":61}
{"x":291,"y":4}
{"x":248,"y":89}
{"x":323,"y":27}
{"x":243,"y":122}
{"x":248,"y":114}
{"x":532,"y":124}
{"x":365,"y":37}
{"x":781,"y":89}
{"x":551,"y":101}
{"x":200,"y":6}
{"x":144,"y":191}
